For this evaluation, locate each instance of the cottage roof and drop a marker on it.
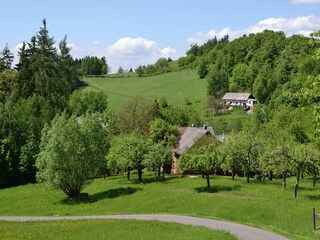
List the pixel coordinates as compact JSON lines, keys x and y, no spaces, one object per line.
{"x":190,"y":135}
{"x":237,"y":96}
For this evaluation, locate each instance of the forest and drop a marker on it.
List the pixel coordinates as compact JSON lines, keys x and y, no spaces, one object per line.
{"x":50,"y":125}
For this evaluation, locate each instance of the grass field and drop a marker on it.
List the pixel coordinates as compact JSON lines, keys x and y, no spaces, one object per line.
{"x":177,"y":87}
{"x":262,"y":204}
{"x":107,"y":230}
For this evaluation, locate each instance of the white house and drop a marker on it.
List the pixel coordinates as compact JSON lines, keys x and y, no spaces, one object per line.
{"x":239,"y":99}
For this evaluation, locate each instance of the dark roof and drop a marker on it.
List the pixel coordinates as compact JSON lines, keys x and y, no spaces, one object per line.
{"x":238,"y":96}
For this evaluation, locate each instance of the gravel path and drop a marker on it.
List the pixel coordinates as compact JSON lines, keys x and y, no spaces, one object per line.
{"x":239,"y":230}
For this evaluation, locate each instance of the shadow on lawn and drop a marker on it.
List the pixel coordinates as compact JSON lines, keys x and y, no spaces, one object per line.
{"x":111,"y":193}
{"x":216,"y":189}
{"x":313,"y":197}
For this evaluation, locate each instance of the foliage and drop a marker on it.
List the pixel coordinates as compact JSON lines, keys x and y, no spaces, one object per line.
{"x":6,"y":59}
{"x":92,"y":66}
{"x":82,"y":102}
{"x":162,"y":131}
{"x":158,"y":156}
{"x":161,"y":66}
{"x":71,"y":152}
{"x":134,"y":116}
{"x":203,"y":160}
{"x":260,"y":63}
{"x":127,"y":152}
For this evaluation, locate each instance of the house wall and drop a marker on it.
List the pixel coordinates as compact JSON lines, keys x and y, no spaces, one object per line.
{"x":175,"y":169}
{"x":239,"y":103}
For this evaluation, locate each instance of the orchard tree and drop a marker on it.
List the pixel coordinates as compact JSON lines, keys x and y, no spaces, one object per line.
{"x":71,"y":152}
{"x":159,"y":155}
{"x":203,"y":160}
{"x":244,"y":147}
{"x":128,"y":152}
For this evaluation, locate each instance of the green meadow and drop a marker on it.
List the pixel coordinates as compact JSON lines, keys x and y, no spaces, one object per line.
{"x":182,"y":88}
{"x":107,"y":229}
{"x":261,"y":204}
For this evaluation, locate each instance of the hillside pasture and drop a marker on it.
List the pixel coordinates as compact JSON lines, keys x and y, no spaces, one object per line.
{"x":182,"y":88}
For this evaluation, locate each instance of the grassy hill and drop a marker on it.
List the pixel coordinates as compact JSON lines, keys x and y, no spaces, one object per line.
{"x":182,"y":88}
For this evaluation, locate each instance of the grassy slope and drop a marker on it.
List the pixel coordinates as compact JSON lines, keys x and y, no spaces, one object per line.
{"x":262,"y":204}
{"x":107,"y":229}
{"x":176,"y":87}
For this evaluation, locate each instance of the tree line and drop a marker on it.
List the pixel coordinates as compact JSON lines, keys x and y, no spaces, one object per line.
{"x":265,"y":64}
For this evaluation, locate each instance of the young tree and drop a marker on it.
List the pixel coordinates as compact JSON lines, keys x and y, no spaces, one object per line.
{"x":128,"y":152}
{"x":6,"y":59}
{"x":159,"y":155}
{"x":71,"y":153}
{"x":245,"y":147}
{"x":203,"y":160}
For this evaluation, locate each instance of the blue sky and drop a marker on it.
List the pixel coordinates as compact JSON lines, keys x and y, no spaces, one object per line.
{"x":135,"y":32}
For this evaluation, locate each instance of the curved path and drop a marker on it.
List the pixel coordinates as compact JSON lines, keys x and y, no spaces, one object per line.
{"x":239,"y":230}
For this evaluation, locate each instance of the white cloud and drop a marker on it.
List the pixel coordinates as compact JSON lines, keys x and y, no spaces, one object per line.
{"x":168,"y":52}
{"x":304,"y":1}
{"x":300,"y":25}
{"x":126,"y":52}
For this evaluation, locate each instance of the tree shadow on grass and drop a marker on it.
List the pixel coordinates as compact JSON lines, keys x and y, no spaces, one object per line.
{"x":313,"y":197}
{"x":216,"y":189}
{"x":111,"y":193}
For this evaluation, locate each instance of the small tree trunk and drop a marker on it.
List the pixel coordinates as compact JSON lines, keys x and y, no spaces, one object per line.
{"x":155,"y":176}
{"x":159,"y":172}
{"x":314,"y":179}
{"x":284,"y":179}
{"x":270,"y":175}
{"x":232,"y":173}
{"x":140,"y":174}
{"x":296,"y":185}
{"x":162,"y":173}
{"x":208,"y":181}
{"x":128,"y":174}
{"x":247,"y":175}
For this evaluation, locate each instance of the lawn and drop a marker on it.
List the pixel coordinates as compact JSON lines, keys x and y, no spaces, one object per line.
{"x":107,"y":230}
{"x":260,"y":203}
{"x":178,"y":88}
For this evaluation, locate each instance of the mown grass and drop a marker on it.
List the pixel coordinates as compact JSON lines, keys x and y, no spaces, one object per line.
{"x":107,"y":230}
{"x":260,"y":203}
{"x":178,"y":88}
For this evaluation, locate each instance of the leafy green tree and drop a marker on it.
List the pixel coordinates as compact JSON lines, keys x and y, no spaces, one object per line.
{"x":127,"y":152}
{"x":218,"y":82}
{"x":158,"y":156}
{"x":162,"y":131}
{"x":134,"y":116}
{"x":82,"y":102}
{"x":72,"y":153}
{"x":139,"y":71}
{"x":244,"y":146}
{"x":202,"y":69}
{"x":203,"y":160}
